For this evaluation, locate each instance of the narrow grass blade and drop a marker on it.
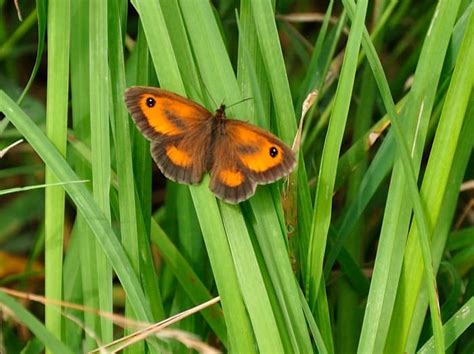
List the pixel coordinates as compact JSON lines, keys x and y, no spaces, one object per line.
{"x":453,"y":328}
{"x":56,"y":128}
{"x":327,"y":174}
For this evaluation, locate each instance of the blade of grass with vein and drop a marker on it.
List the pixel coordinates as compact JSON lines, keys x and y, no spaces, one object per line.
{"x":181,"y":46}
{"x":348,"y":321}
{"x":41,"y":15}
{"x":99,"y":86}
{"x":436,"y":176}
{"x":192,"y":246}
{"x":36,"y":186}
{"x":238,"y":325}
{"x":56,"y":127}
{"x":270,"y":236}
{"x":280,"y":269}
{"x":327,"y":174}
{"x":80,"y":106}
{"x":275,"y":68}
{"x":251,"y":282}
{"x":73,"y":283}
{"x":251,"y":74}
{"x":83,"y":201}
{"x":141,"y":160}
{"x":443,"y":224}
{"x":318,"y":339}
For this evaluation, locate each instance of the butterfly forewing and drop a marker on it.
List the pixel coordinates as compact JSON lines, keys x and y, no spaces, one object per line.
{"x":162,"y":113}
{"x":179,"y":131}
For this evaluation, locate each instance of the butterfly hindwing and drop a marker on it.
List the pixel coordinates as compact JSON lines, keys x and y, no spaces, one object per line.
{"x":229,"y":180}
{"x":244,"y":156}
{"x":264,"y":157}
{"x":177,"y":162}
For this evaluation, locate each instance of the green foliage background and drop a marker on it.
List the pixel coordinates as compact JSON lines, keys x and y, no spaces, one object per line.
{"x":370,"y":251}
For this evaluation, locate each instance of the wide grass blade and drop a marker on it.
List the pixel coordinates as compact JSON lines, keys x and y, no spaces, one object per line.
{"x":99,"y":86}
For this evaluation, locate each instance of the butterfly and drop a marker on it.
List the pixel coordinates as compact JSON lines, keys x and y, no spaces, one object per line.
{"x":187,"y":140}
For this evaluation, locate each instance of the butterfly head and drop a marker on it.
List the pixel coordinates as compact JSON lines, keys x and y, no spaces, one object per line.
{"x":220,"y":112}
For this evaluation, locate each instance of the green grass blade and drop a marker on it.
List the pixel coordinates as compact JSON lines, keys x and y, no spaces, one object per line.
{"x":453,"y":328}
{"x":37,"y":186}
{"x":99,"y":84}
{"x":80,"y":107}
{"x":41,"y":9}
{"x":56,"y":127}
{"x":327,"y":174}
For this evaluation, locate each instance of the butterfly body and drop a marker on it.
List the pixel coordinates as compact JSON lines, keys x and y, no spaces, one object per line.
{"x":187,"y":140}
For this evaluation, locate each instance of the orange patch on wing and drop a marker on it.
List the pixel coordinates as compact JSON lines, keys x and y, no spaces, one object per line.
{"x":260,"y":160}
{"x":231,"y":178}
{"x":178,"y":156}
{"x":158,"y":115}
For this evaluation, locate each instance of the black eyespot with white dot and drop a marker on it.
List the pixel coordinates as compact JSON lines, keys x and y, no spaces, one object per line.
{"x":150,"y":102}
{"x":273,"y":152}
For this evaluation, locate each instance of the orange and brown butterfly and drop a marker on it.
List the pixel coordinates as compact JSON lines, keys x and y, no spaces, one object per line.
{"x":187,"y":140}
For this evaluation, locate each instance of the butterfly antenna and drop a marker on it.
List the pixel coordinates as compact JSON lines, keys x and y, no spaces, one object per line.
{"x":236,"y":103}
